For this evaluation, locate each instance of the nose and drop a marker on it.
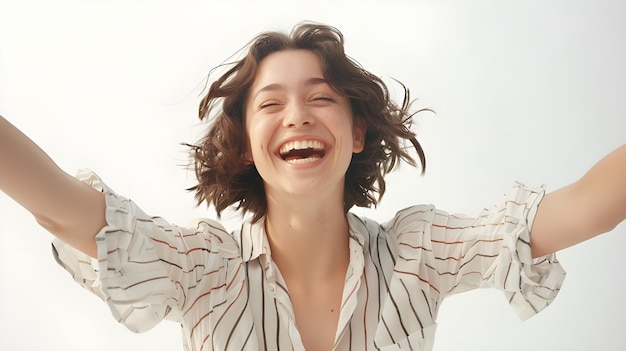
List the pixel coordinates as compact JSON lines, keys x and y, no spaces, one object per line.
{"x":297,"y":116}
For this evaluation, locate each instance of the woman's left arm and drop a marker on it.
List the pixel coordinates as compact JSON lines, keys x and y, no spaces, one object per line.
{"x":593,"y":205}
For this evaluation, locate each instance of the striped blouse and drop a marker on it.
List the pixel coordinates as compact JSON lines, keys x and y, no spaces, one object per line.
{"x":227,"y":293}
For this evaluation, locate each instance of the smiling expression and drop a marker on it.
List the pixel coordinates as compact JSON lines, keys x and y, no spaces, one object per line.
{"x":301,"y":132}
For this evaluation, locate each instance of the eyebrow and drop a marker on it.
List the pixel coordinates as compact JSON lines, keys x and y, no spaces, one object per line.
{"x":278,"y":87}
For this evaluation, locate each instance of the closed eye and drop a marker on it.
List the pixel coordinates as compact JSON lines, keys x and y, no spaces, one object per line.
{"x":323,"y":98}
{"x":268,"y":104}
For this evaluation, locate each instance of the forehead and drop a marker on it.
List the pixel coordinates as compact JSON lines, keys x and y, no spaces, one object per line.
{"x":287,"y":67}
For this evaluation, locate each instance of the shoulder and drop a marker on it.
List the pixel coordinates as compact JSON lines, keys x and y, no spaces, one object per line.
{"x":412,"y":219}
{"x":216,"y":234}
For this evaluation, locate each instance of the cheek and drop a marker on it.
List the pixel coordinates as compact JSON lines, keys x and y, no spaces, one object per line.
{"x":248,"y":144}
{"x":257,"y":138}
{"x":249,"y":132}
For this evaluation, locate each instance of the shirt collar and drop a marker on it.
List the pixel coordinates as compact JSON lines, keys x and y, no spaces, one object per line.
{"x":253,"y":240}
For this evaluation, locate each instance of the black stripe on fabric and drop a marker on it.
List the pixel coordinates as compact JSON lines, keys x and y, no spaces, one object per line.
{"x":282,"y":287}
{"x":212,"y":226}
{"x":391,"y":255}
{"x":184,"y":293}
{"x":390,"y":295}
{"x":243,"y":347}
{"x":395,"y":304}
{"x":506,"y":277}
{"x":143,"y":262}
{"x":113,"y":231}
{"x":474,"y":257}
{"x":430,"y":311}
{"x":241,"y":248}
{"x":252,"y":247}
{"x":512,"y":297}
{"x":350,"y":336}
{"x":277,"y":325}
{"x":438,"y":272}
{"x":138,"y":283}
{"x":366,"y":304}
{"x":227,"y":314}
{"x":179,"y":266}
{"x":263,"y":317}
{"x":379,"y":272}
{"x":388,"y":332}
{"x":527,"y":243}
{"x":419,"y":321}
{"x":243,"y":310}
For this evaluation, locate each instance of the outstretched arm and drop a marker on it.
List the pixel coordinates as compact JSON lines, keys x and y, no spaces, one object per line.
{"x":593,"y":205}
{"x":67,"y":208}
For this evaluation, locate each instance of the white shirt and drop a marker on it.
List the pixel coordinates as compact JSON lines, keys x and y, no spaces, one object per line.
{"x":227,"y":293}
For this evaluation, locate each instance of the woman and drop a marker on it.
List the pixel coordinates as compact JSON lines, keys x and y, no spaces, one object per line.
{"x":302,"y":135}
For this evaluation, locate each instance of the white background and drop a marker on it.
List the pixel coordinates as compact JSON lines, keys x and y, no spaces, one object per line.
{"x":527,"y":90}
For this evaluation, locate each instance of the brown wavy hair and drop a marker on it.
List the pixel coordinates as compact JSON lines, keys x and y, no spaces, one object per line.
{"x":225,"y":178}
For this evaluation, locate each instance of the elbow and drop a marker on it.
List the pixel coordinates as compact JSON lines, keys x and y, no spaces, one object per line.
{"x":606,"y":227}
{"x":54,"y":227}
{"x":83,"y":243}
{"x":604,"y":223}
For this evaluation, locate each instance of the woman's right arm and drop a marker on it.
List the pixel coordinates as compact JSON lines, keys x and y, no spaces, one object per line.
{"x":66,"y":207}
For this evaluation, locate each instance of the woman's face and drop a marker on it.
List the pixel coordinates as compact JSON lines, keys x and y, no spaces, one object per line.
{"x":301,"y":132}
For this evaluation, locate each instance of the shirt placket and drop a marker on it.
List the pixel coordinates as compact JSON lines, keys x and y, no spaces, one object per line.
{"x":349,"y":300}
{"x":278,"y":287}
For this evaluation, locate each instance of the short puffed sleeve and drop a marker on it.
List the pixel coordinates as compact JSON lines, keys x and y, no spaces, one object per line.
{"x":148,"y":269}
{"x":447,"y":253}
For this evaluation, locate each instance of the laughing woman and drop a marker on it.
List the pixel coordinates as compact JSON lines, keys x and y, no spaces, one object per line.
{"x":300,"y":134}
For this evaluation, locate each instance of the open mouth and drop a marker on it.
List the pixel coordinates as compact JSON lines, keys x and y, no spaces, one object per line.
{"x":302,"y":151}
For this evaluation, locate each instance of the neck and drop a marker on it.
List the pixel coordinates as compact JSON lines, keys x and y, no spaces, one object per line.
{"x":307,"y":241}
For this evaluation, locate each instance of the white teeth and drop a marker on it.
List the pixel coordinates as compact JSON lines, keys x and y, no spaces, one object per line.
{"x":301,"y":161}
{"x":301,"y":145}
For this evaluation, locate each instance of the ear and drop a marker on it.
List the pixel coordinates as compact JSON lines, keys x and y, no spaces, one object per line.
{"x":246,"y":157}
{"x":358,"y":134}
